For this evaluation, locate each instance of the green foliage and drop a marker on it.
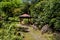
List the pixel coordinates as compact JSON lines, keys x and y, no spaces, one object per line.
{"x":8,"y":31}
{"x":9,"y":13}
{"x":43,"y":11}
{"x":57,"y":25}
{"x":25,"y":21}
{"x":46,"y":12}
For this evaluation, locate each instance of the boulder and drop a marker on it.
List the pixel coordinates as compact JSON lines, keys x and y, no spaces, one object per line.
{"x":45,"y":28}
{"x":34,"y":27}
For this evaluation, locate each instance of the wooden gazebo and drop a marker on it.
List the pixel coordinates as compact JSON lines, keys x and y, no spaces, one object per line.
{"x":23,"y":16}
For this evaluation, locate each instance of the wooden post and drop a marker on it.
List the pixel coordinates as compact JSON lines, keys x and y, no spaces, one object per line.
{"x":28,"y":20}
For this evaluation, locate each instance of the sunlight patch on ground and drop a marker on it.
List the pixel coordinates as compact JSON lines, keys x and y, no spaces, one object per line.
{"x":28,"y":36}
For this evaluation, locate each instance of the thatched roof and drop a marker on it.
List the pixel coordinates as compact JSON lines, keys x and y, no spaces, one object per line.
{"x":25,"y":16}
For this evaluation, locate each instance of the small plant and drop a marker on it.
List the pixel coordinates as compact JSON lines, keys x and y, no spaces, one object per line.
{"x":25,"y":21}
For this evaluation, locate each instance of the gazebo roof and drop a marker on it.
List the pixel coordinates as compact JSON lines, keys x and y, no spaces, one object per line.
{"x":25,"y":16}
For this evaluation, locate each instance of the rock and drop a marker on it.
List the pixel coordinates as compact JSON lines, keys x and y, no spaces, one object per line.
{"x":34,"y":27}
{"x":45,"y":28}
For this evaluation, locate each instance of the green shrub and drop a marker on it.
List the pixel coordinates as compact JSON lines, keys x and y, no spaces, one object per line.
{"x":25,"y":21}
{"x":46,"y":12}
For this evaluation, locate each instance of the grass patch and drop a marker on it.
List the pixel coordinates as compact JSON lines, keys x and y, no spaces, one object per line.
{"x":28,"y":36}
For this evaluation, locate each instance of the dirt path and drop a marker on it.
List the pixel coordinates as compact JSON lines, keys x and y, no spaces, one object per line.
{"x":32,"y":34}
{"x":36,"y":34}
